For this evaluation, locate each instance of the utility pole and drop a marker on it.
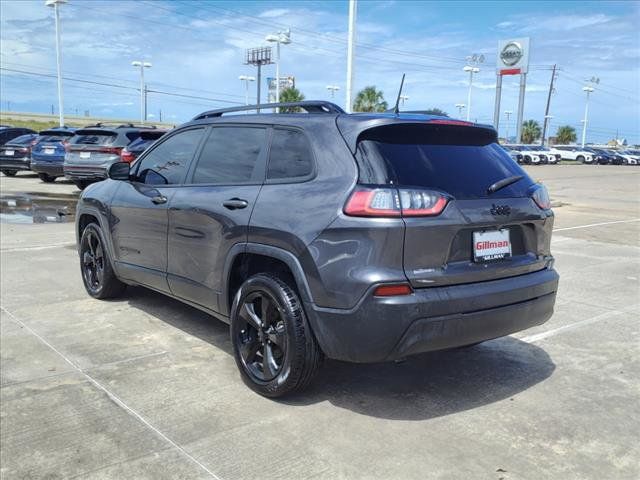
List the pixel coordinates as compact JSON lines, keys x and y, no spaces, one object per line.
{"x":546,"y":111}
{"x":160,"y":116}
{"x":333,"y":89}
{"x":353,"y":7}
{"x":460,"y":107}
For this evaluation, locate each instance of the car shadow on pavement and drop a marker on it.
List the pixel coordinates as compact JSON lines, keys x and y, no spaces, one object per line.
{"x":423,"y":386}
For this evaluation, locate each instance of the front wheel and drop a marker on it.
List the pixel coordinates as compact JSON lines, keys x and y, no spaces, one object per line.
{"x":580,"y":159}
{"x":9,"y":173}
{"x":46,"y":178}
{"x":273,"y":345}
{"x":98,"y":276}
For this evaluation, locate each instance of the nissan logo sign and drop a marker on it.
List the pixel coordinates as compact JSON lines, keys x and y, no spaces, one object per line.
{"x":511,"y":54}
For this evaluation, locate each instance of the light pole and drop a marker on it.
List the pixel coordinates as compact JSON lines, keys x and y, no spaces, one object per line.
{"x":282,"y":37}
{"x":586,"y":115}
{"x":333,"y":89}
{"x":460,"y":107}
{"x":56,"y":9}
{"x":142,"y":66}
{"x":508,"y":113}
{"x":351,"y":48}
{"x":246,"y":79}
{"x":404,"y":98}
{"x":472,"y":60}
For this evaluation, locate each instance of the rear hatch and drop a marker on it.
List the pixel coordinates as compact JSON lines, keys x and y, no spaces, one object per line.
{"x":93,"y":147}
{"x":457,"y":229}
{"x":17,"y":148}
{"x":51,"y":145}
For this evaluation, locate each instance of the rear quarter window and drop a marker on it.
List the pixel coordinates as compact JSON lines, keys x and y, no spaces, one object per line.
{"x":461,"y":161}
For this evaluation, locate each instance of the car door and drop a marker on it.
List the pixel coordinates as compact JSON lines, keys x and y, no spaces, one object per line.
{"x":210,"y":214}
{"x":139,"y":219}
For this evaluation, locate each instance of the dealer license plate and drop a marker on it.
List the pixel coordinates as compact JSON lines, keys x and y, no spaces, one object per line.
{"x":9,"y":153}
{"x":85,"y":154}
{"x":491,"y":245}
{"x":49,"y":151}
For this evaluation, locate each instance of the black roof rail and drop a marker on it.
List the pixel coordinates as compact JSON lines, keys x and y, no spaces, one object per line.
{"x":134,"y":125}
{"x":310,"y":106}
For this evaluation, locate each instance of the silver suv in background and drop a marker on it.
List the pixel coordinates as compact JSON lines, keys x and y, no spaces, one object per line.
{"x":94,"y":149}
{"x":574,"y":152}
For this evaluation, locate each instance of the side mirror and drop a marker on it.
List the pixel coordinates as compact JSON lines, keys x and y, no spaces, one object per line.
{"x":119,"y":171}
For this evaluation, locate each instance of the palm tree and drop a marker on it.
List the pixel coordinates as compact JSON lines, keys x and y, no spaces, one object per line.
{"x":530,"y":131}
{"x":288,"y":95}
{"x":566,"y":134}
{"x":369,"y":100}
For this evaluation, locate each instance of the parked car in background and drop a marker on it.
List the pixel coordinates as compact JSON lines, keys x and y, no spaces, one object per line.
{"x":631,"y":157}
{"x":15,"y":155}
{"x":515,"y":155}
{"x":363,"y":238}
{"x":615,"y":156}
{"x":135,"y":148}
{"x":604,"y":157}
{"x":47,"y":156}
{"x":8,"y":133}
{"x":94,"y":149}
{"x":529,"y":156}
{"x":545,"y":154}
{"x":573,"y":152}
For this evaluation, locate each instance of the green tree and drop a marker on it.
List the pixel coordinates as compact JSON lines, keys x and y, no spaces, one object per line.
{"x":369,"y":100}
{"x":530,"y":131}
{"x":290,"y":94}
{"x":436,"y":111}
{"x":566,"y":134}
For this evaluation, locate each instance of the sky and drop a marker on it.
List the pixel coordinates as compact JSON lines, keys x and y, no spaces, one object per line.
{"x":197,"y":51}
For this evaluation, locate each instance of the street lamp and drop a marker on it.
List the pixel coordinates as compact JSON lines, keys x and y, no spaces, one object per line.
{"x":404,"y":98}
{"x":282,"y":37}
{"x":333,"y":89}
{"x":142,"y":66}
{"x":508,"y":113}
{"x":246,"y":79}
{"x":460,"y":107}
{"x":472,"y":60}
{"x":586,"y":114}
{"x":56,"y":9}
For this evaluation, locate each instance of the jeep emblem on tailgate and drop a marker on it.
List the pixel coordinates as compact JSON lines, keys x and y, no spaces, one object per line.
{"x":500,"y":209}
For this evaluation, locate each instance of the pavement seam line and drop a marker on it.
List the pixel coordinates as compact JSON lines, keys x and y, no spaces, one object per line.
{"x":595,"y":225}
{"x":550,"y":333}
{"x":37,"y":247}
{"x":112,"y":396}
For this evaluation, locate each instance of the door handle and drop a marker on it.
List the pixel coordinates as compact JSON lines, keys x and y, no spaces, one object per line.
{"x":235,"y":203}
{"x":159,"y":199}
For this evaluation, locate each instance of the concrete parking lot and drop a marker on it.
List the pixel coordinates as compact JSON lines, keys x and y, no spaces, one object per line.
{"x":146,"y":387}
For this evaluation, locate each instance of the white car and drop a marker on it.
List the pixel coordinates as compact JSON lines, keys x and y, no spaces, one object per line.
{"x":529,"y":155}
{"x":573,"y":152}
{"x":631,"y":157}
{"x":552,"y":157}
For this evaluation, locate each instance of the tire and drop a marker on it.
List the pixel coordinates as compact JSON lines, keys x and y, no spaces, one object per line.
{"x":82,"y":184}
{"x":10,"y":173}
{"x":285,"y":337}
{"x":98,"y":276}
{"x":46,"y":178}
{"x":580,"y":159}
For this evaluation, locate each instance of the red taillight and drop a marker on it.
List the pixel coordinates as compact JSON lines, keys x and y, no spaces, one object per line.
{"x":540,"y":195}
{"x":112,"y":150}
{"x":391,"y":202}
{"x":127,"y":156}
{"x":393,"y":290}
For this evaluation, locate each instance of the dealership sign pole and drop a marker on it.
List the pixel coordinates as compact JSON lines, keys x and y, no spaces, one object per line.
{"x":513,"y":59}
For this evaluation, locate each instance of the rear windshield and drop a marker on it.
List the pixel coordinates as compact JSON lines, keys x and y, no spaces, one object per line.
{"x":54,"y":136}
{"x":460,"y":161}
{"x":21,"y":140}
{"x":94,"y":137}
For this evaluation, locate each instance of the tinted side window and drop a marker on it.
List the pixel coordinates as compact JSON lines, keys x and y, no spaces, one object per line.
{"x":290,"y":155}
{"x":169,"y":161}
{"x":230,"y":156}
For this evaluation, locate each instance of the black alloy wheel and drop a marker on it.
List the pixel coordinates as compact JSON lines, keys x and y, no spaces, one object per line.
{"x":93,"y":261}
{"x":262,"y":341}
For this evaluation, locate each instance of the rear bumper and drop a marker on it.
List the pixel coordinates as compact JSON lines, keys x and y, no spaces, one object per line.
{"x":50,"y":168}
{"x":84,"y":173}
{"x":6,"y":163}
{"x":436,"y":318}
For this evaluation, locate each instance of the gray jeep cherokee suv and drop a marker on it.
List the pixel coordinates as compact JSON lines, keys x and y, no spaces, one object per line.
{"x":359,"y":237}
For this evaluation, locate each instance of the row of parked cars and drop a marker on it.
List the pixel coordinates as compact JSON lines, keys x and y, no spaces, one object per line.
{"x":81,"y":155}
{"x":541,"y":155}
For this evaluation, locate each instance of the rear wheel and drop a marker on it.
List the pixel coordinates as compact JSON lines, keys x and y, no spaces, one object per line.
{"x":10,"y":173}
{"x":273,"y":344}
{"x":580,"y":158}
{"x":45,"y":177}
{"x":98,"y":276}
{"x":82,"y":184}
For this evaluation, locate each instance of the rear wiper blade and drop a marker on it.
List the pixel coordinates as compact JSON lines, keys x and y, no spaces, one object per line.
{"x":505,"y":182}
